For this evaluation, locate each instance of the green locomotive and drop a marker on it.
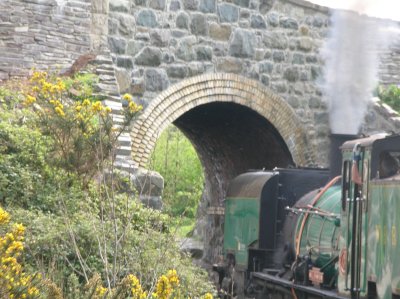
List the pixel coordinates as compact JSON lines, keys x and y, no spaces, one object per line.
{"x":304,"y":233}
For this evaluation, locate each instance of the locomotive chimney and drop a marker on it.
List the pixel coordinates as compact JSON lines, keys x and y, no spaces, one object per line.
{"x":335,"y":154}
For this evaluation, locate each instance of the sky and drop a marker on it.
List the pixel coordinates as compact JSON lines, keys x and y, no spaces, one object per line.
{"x":388,"y":9}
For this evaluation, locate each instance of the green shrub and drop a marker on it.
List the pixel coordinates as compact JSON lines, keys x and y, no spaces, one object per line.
{"x":391,"y":96}
{"x":176,"y":160}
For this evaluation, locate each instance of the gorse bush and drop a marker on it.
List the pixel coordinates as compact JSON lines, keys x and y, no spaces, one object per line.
{"x":82,"y":131}
{"x":57,"y":179}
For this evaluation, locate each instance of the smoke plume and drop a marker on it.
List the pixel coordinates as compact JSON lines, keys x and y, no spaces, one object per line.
{"x":351,"y":56}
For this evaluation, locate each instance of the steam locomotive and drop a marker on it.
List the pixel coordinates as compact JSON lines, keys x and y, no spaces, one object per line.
{"x":314,"y":233}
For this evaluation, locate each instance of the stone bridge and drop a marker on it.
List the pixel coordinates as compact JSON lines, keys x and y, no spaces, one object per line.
{"x":237,"y":77}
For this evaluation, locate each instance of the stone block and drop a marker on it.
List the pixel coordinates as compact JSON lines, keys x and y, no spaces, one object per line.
{"x":175,"y":6}
{"x":178,"y":71}
{"x":265,"y":79}
{"x":242,"y":3}
{"x":314,"y":102}
{"x":207,"y":6}
{"x":149,"y":183}
{"x":199,"y":24}
{"x":177,"y":34}
{"x":134,"y":47}
{"x":220,"y":32}
{"x":147,"y":18}
{"x":196,"y":68}
{"x":168,"y":57}
{"x":228,"y":13}
{"x":190,"y":4}
{"x":203,"y":53}
{"x":318,"y":22}
{"x":182,"y":20}
{"x":242,"y":43}
{"x":117,"y":45}
{"x":119,"y":5}
{"x":278,"y":56}
{"x":244,"y":13}
{"x":220,"y":49}
{"x":293,"y":101}
{"x":273,"y":19}
{"x":149,"y":56}
{"x":316,"y":72}
{"x":123,"y":79}
{"x":185,"y":49}
{"x":305,"y":44}
{"x":257,"y":22}
{"x":127,"y":25}
{"x":298,"y":58}
{"x":288,"y":23}
{"x":157,"y":4}
{"x":279,"y":87}
{"x":229,"y":65}
{"x":124,"y":62}
{"x":291,"y":74}
{"x":160,"y":38}
{"x":266,"y":67}
{"x":156,"y":79}
{"x":311,"y":59}
{"x":153,"y":202}
{"x":112,"y":26}
{"x":275,"y":40}
{"x":266,"y":5}
{"x":137,"y":87}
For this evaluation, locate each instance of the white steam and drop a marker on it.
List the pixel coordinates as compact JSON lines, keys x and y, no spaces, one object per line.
{"x":351,"y":57}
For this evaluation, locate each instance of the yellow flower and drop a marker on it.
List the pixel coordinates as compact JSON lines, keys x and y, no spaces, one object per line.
{"x":30,"y":100}
{"x":136,"y":288}
{"x":207,"y":296}
{"x":133,"y":107}
{"x":163,"y":288}
{"x":100,"y":291}
{"x":59,"y":111}
{"x":173,"y":278}
{"x":78,"y":108}
{"x":97,"y":107}
{"x":127,"y":97}
{"x":19,"y":229}
{"x":108,"y":109}
{"x":86,"y":102}
{"x":4,"y":216}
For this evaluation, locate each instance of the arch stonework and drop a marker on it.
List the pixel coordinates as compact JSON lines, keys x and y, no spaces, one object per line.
{"x":218,"y":87}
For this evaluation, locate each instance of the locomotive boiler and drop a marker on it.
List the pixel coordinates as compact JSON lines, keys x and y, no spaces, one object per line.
{"x":310,"y":233}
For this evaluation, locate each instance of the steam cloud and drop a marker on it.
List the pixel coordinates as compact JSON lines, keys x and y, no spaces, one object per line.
{"x":351,"y":65}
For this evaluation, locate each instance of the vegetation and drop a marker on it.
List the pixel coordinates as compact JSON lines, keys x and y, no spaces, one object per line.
{"x":391,"y":96}
{"x":176,"y":160}
{"x":85,"y":238}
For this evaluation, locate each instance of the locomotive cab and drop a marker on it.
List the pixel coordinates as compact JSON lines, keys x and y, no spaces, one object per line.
{"x":369,"y":219}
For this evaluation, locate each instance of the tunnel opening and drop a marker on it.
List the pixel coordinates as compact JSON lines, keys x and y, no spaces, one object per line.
{"x":229,"y":139}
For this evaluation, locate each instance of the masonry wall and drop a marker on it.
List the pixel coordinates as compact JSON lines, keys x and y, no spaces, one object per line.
{"x":48,"y":33}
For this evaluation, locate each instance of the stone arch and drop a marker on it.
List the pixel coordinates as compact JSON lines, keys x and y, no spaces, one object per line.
{"x":224,"y":88}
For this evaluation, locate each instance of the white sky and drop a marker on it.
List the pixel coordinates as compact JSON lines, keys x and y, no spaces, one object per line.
{"x":388,"y":9}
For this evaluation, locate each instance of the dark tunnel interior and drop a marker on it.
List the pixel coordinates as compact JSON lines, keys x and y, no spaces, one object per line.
{"x":231,"y":139}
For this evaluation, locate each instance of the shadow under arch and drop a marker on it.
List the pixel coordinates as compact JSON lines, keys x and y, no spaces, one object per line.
{"x":234,"y":123}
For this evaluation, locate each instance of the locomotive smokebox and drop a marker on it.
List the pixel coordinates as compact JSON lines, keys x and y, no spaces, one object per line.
{"x":335,"y":154}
